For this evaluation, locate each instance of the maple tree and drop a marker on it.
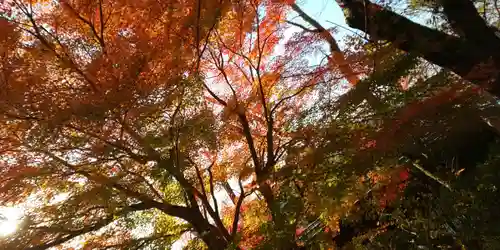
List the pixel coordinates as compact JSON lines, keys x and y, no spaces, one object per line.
{"x":108,"y":117}
{"x":99,"y":118}
{"x":202,"y":118}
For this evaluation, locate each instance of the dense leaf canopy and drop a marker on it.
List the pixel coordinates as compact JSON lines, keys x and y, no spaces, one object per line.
{"x":249,"y":124}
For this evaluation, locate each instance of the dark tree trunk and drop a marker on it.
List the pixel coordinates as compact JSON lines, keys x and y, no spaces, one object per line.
{"x":210,"y":234}
{"x":474,"y":55}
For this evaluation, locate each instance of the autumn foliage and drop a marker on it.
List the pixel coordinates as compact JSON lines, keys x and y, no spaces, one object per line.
{"x":140,"y":124}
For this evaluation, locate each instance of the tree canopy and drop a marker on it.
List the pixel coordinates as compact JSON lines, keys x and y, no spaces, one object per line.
{"x":249,"y":124}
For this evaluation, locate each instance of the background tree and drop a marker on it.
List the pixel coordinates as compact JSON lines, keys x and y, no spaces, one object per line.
{"x":468,"y":53}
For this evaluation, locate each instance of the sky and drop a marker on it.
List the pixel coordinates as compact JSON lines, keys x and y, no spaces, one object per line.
{"x":323,"y":11}
{"x":327,"y":13}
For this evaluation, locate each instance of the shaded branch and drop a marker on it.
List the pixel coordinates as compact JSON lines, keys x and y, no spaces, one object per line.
{"x":300,"y":26}
{"x":137,"y":157}
{"x":90,"y":24}
{"x":336,"y":54}
{"x":461,"y":56}
{"x":465,"y":19}
{"x":72,"y":235}
{"x":37,"y":34}
{"x":237,"y":210}
{"x":212,"y":189}
{"x":229,"y":191}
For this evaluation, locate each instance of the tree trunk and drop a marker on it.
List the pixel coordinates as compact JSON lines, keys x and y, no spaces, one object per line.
{"x":210,"y":234}
{"x":474,"y":57}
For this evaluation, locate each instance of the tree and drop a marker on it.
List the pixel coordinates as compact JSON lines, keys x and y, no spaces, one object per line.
{"x":118,"y":116}
{"x":95,"y":105}
{"x":471,"y":53}
{"x":108,"y":121}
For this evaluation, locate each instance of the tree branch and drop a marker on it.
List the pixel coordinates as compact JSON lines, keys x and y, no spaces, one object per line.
{"x":300,"y":26}
{"x":212,"y":189}
{"x":237,"y":210}
{"x":229,"y":191}
{"x":336,"y":54}
{"x":72,"y":234}
{"x":89,"y":23}
{"x":464,"y":18}
{"x":463,"y":57}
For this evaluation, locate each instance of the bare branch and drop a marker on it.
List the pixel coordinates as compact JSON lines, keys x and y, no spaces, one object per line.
{"x":301,"y":26}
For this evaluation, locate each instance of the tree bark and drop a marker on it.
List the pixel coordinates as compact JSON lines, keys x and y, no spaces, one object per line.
{"x":210,"y":234}
{"x":474,"y":57}
{"x":465,"y":20}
